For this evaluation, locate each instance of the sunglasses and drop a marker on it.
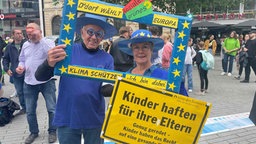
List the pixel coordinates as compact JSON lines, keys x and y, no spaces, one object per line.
{"x":98,"y":34}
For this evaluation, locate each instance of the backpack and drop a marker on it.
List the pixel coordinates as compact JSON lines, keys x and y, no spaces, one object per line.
{"x":7,"y":108}
{"x":208,"y":60}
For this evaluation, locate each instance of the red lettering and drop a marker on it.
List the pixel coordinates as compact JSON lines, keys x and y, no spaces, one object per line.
{"x":208,"y":17}
{"x":231,"y":16}
{"x":216,"y":16}
{"x":131,"y":5}
{"x":240,"y":16}
{"x":224,"y":15}
{"x":199,"y":17}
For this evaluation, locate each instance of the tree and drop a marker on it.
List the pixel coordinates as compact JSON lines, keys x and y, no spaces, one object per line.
{"x":180,"y":7}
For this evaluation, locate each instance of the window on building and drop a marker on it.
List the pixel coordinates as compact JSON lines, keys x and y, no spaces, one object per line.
{"x":56,"y":21}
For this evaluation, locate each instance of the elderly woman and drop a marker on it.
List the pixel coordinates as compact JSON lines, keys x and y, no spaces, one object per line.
{"x":141,"y":46}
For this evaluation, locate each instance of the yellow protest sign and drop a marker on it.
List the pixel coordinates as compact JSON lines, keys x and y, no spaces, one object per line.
{"x":100,"y":9}
{"x":165,"y":21}
{"x":93,"y":73}
{"x":139,"y":114}
{"x":147,"y":81}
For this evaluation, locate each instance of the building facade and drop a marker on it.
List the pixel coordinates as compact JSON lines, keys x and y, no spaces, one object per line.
{"x":17,"y":14}
{"x":52,"y":17}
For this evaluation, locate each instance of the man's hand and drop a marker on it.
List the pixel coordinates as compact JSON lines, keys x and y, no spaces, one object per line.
{"x":9,"y":72}
{"x":20,"y":69}
{"x":56,"y":54}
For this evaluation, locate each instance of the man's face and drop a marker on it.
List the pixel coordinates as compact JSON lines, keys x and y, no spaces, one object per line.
{"x":92,"y":35}
{"x":17,"y":35}
{"x":34,"y":35}
{"x":126,"y":35}
{"x":252,"y":35}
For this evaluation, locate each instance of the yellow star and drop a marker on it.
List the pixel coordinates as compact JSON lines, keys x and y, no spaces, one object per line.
{"x":148,"y":35}
{"x":181,"y":35}
{"x":176,"y":73}
{"x":176,"y":60}
{"x":185,"y":24}
{"x":71,"y":16}
{"x":67,"y":27}
{"x":71,"y":3}
{"x":66,"y":41}
{"x":181,"y":47}
{"x":172,"y":86}
{"x":63,"y":69}
{"x":142,"y":34}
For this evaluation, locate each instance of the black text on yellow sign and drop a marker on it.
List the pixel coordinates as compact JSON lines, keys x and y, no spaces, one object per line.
{"x":139,"y":114}
{"x":100,"y":9}
{"x":165,"y":21}
{"x":93,"y":73}
{"x":147,"y":81}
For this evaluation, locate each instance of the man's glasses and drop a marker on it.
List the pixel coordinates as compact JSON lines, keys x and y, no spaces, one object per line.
{"x":98,"y":34}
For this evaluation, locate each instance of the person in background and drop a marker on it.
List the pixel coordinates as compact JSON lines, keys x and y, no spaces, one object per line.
{"x":196,"y":48}
{"x":10,"y":63}
{"x":202,"y":73}
{"x":188,"y":67}
{"x":231,"y":46}
{"x":250,"y":48}
{"x":167,"y":51}
{"x":141,"y":46}
{"x":130,"y":31}
{"x":3,"y":44}
{"x":211,"y":44}
{"x":33,"y":53}
{"x":80,"y":108}
{"x":106,"y":46}
{"x":157,"y":56}
{"x":241,"y":39}
{"x":122,"y":61}
{"x":242,"y":59}
{"x":222,"y":52}
{"x":1,"y":94}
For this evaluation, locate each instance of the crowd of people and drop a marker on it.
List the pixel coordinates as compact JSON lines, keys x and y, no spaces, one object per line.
{"x":30,"y":62}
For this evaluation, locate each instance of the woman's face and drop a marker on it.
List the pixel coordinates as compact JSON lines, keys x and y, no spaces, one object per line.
{"x":232,"y":34}
{"x":142,"y":52}
{"x":212,"y":37}
{"x":246,"y":37}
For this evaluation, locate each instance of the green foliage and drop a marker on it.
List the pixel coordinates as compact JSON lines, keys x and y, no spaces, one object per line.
{"x":195,"y":6}
{"x":55,"y":2}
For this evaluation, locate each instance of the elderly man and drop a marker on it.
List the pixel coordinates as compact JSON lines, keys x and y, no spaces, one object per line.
{"x":33,"y":53}
{"x":81,"y":107}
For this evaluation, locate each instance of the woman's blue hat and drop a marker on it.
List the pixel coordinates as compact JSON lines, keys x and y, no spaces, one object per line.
{"x":140,"y":36}
{"x":100,"y":21}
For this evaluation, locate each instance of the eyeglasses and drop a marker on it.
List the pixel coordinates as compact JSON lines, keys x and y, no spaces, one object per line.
{"x":98,"y":34}
{"x":144,"y":47}
{"x":17,"y":33}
